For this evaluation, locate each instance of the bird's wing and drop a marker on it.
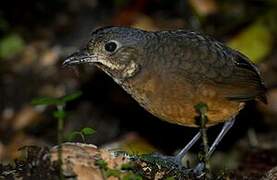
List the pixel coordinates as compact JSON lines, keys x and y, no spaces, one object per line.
{"x":231,"y":72}
{"x":247,"y":78}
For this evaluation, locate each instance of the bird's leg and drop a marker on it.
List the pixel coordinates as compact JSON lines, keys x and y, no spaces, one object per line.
{"x":177,"y":160}
{"x":199,"y":169}
{"x":183,"y":152}
{"x":226,"y":127}
{"x":201,"y":109}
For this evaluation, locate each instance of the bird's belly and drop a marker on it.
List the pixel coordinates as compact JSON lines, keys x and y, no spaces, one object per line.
{"x":183,"y":112}
{"x":177,"y":105}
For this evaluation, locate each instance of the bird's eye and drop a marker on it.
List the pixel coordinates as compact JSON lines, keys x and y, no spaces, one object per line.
{"x":111,"y":46}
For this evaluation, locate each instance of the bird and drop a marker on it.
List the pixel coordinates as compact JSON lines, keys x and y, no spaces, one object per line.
{"x":169,"y":72}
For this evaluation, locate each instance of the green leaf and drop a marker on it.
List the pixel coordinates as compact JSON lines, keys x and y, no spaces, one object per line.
{"x":201,"y":108}
{"x":132,"y":176}
{"x":59,"y":114}
{"x":88,"y":131}
{"x":11,"y":45}
{"x":47,"y":101}
{"x":72,"y":96}
{"x":56,"y":101}
{"x":73,"y":135}
{"x":127,"y":166}
{"x":113,"y":172}
{"x":101,"y":164}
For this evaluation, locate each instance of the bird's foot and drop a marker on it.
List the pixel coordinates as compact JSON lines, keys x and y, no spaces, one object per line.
{"x":176,"y":162}
{"x":171,"y":159}
{"x":199,"y":170}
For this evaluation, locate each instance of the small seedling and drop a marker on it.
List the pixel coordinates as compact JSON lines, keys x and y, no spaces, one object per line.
{"x":132,"y":176}
{"x":83,"y":133}
{"x":113,"y":172}
{"x":103,"y":166}
{"x":60,"y":115}
{"x":202,"y":119}
{"x":124,"y":173}
{"x":127,"y":166}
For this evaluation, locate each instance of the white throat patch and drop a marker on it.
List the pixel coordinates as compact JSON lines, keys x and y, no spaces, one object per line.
{"x":130,"y":70}
{"x":110,"y":65}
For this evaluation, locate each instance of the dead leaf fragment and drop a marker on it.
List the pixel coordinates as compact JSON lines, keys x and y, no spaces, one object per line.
{"x":79,"y":159}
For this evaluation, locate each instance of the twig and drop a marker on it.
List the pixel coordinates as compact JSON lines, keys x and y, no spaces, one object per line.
{"x":60,"y":141}
{"x":202,"y":109}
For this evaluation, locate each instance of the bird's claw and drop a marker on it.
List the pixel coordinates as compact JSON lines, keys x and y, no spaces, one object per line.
{"x":199,"y":169}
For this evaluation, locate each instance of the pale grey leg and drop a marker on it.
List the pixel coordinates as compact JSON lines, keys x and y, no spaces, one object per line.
{"x":226,"y":127}
{"x":183,"y":152}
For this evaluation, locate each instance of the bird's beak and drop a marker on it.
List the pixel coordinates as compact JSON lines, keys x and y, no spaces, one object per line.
{"x":79,"y":57}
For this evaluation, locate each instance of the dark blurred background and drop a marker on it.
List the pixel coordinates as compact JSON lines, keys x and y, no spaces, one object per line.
{"x":36,"y":35}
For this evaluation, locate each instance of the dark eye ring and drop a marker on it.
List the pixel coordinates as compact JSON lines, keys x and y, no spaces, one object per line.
{"x":111,"y":46}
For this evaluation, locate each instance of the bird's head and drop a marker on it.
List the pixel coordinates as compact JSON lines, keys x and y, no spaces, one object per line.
{"x":115,"y":50}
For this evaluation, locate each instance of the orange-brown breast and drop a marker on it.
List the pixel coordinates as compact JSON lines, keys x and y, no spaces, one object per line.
{"x":173,"y":100}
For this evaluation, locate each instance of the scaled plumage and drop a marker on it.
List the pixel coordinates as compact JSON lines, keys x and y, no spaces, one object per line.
{"x":168,"y":72}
